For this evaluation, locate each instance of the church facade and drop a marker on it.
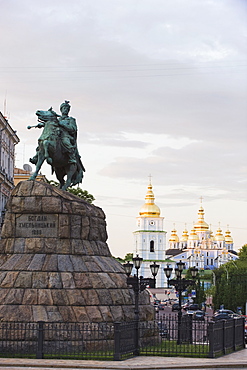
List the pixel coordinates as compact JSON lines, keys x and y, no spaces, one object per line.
{"x":200,"y":247}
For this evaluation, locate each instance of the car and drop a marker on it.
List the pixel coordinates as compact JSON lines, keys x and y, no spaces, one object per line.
{"x":175,"y":307}
{"x":184,"y":306}
{"x":163,"y":330}
{"x":192,"y":307}
{"x":229,"y":312}
{"x":222,"y":316}
{"x":161,"y":307}
{"x":189,"y":312}
{"x":225,"y":314}
{"x":198,"y":315}
{"x":165,"y":302}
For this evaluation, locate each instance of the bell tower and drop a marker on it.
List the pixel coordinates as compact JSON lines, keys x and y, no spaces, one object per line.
{"x":150,"y":238}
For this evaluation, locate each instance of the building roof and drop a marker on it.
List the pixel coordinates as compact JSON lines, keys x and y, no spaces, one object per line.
{"x":173,"y":251}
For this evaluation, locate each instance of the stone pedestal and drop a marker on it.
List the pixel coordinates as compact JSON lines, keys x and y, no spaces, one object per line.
{"x":55,"y":264}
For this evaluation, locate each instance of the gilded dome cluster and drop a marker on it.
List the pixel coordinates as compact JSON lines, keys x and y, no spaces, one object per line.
{"x":201,"y":234}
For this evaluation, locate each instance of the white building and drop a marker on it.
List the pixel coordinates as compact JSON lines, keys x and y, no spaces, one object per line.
{"x":150,"y":239}
{"x":8,"y":140}
{"x":201,"y":248}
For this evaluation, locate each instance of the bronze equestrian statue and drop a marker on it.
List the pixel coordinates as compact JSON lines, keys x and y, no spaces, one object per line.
{"x":58,"y":146}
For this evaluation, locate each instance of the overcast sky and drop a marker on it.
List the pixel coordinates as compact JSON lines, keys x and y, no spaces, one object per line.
{"x":157,"y":87}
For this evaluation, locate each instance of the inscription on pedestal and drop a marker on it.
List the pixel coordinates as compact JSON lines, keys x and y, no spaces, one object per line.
{"x":38,"y":225}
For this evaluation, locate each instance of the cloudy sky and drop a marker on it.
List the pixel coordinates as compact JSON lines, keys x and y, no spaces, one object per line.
{"x":157,"y":87}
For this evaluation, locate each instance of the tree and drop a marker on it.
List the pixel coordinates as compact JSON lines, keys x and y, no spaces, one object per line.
{"x":231,"y":283}
{"x":242,"y":254}
{"x":198,"y":287}
{"x":128,"y":257}
{"x":83,"y":194}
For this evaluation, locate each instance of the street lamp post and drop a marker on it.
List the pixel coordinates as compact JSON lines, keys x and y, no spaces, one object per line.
{"x":154,"y":270}
{"x":138,"y":284}
{"x":180,"y":284}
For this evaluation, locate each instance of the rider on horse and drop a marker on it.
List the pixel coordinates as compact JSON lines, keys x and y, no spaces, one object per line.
{"x":58,"y":146}
{"x":66,"y":134}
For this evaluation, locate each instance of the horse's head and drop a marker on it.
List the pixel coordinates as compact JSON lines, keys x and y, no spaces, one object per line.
{"x":47,"y":115}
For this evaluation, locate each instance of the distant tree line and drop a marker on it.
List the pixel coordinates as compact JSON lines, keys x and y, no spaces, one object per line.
{"x":231,"y":283}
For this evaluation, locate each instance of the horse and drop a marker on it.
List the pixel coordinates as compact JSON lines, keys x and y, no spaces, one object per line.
{"x":50,"y":148}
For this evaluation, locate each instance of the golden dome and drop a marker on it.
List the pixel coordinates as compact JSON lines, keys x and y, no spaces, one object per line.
{"x":228,"y":238}
{"x":193,"y":235}
{"x":184,"y":236}
{"x":201,"y":225}
{"x":149,"y":208}
{"x":219,"y":236}
{"x":174,"y":238}
{"x":211,"y":234}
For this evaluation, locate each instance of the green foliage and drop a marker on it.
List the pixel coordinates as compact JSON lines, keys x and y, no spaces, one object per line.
{"x":210,"y":292}
{"x":83,"y":194}
{"x":128,"y":257}
{"x":231,"y":283}
{"x":198,"y":287}
{"x":242,"y":254}
{"x":119,"y":259}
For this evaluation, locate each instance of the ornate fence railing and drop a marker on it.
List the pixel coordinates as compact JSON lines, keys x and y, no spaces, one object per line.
{"x":120,"y":340}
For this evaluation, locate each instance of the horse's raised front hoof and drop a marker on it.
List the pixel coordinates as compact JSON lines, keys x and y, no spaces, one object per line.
{"x":49,"y":161}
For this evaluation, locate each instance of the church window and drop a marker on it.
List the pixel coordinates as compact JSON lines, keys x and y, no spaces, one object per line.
{"x":212,"y":261}
{"x":151,"y":246}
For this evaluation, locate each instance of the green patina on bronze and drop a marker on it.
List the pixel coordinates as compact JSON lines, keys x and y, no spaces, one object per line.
{"x":58,"y":146}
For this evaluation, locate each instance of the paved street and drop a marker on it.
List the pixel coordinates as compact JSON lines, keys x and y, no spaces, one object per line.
{"x":235,"y":360}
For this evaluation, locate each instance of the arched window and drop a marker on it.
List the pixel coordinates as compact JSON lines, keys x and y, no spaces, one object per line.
{"x":151,"y":246}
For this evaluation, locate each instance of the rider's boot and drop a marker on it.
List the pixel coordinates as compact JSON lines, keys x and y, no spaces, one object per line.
{"x":34,"y":160}
{"x":49,"y":160}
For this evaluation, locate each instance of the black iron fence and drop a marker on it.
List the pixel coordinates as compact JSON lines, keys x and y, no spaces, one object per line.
{"x":117,"y":341}
{"x":226,"y":336}
{"x":57,"y":340}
